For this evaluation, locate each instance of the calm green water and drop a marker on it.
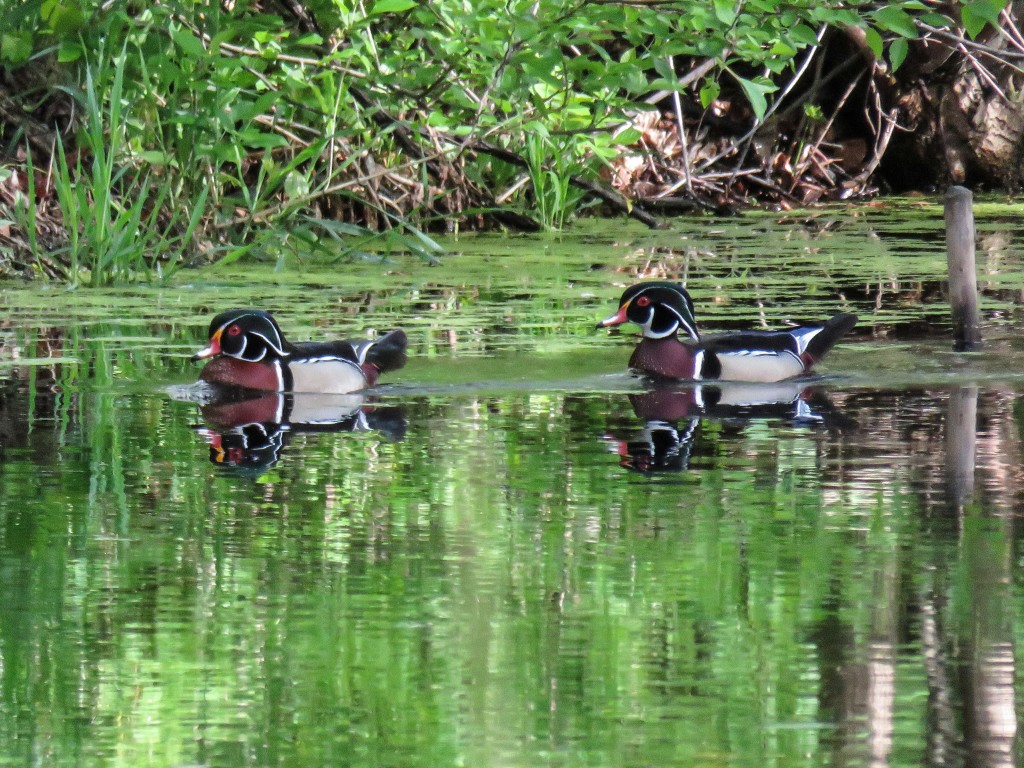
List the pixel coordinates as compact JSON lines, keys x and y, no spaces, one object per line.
{"x":511,"y":554}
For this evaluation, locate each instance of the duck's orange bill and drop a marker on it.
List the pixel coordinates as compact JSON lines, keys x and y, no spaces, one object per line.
{"x":617,"y":319}
{"x":210,"y":351}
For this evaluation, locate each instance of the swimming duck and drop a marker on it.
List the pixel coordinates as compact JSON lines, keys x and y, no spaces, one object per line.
{"x":248,"y":350}
{"x":663,"y":309}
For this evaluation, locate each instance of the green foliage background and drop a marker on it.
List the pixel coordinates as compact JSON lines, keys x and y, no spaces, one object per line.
{"x":343,"y":120}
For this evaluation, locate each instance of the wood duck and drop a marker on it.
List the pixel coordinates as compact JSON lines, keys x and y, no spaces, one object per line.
{"x":248,"y":350}
{"x":662,"y":309}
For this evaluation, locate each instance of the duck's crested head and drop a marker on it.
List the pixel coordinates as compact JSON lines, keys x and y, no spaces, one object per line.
{"x":245,"y":334}
{"x":660,"y":308}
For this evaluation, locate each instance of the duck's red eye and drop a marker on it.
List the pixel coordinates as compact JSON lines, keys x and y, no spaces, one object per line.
{"x":643,"y":301}
{"x":234,"y":330}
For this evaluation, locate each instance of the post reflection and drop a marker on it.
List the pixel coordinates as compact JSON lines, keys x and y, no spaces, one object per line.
{"x":984,"y":651}
{"x":959,"y":611}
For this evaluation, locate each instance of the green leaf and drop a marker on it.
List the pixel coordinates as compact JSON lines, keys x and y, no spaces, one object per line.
{"x":189,"y":43}
{"x":892,"y":18}
{"x":938,"y":20}
{"x":65,"y":18}
{"x":392,"y":6}
{"x":976,"y":15}
{"x":156,"y":157}
{"x":803,"y":35}
{"x":897,"y":52}
{"x":708,"y":93}
{"x":814,"y":112}
{"x":69,"y":51}
{"x":16,"y":47}
{"x":756,"y":92}
{"x":874,"y":41}
{"x":783,"y":49}
{"x":628,"y":137}
{"x":725,"y":11}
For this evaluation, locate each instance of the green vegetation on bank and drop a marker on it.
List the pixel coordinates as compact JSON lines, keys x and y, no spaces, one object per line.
{"x":155,"y":135}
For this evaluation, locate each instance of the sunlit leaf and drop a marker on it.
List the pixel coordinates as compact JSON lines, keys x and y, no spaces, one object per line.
{"x":803,"y":34}
{"x":892,"y":18}
{"x":708,"y":93}
{"x":393,"y":6}
{"x":628,"y":136}
{"x":725,"y":11}
{"x":189,"y":43}
{"x":976,"y":15}
{"x":756,"y":94}
{"x":897,"y":52}
{"x":874,"y":41}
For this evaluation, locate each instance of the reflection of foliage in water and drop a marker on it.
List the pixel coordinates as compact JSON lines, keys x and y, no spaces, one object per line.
{"x":494,"y":586}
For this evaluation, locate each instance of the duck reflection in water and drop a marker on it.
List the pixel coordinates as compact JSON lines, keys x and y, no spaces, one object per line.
{"x":248,"y":431}
{"x":672,"y":417}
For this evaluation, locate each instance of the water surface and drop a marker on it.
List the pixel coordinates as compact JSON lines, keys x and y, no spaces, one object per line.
{"x":512,"y":553}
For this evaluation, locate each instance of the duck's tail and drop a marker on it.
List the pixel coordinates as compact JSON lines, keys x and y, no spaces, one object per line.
{"x":388,"y":353}
{"x":831,"y":332}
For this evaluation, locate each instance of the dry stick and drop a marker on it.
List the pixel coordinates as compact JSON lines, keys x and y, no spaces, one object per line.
{"x":676,"y":102}
{"x":609,"y":196}
{"x":694,"y":74}
{"x":403,"y":136}
{"x":1010,"y":31}
{"x":983,"y":72}
{"x":748,"y":139}
{"x":799,"y":170}
{"x":963,"y":276}
{"x":881,"y":143}
{"x":999,"y":56}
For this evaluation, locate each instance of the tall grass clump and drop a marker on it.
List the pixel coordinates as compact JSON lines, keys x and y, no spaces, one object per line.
{"x":118,"y":225}
{"x":551,"y":167}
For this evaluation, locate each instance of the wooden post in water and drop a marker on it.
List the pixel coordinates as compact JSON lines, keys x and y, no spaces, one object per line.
{"x":963,"y":276}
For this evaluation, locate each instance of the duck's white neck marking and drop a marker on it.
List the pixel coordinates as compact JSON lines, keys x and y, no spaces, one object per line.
{"x":650,"y":333}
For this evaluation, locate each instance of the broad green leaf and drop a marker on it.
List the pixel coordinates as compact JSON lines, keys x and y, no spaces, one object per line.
{"x":756,"y":92}
{"x":69,"y":51}
{"x":711,"y":48}
{"x":874,"y":41}
{"x":973,"y":23}
{"x":16,"y":47}
{"x":936,"y":20}
{"x":897,"y":52}
{"x":65,"y":18}
{"x":155,"y":157}
{"x":803,"y":35}
{"x":783,"y":49}
{"x":189,"y":43}
{"x":892,"y":18}
{"x":628,"y":136}
{"x":708,"y":93}
{"x":725,"y":11}
{"x":393,"y":6}
{"x":976,"y":15}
